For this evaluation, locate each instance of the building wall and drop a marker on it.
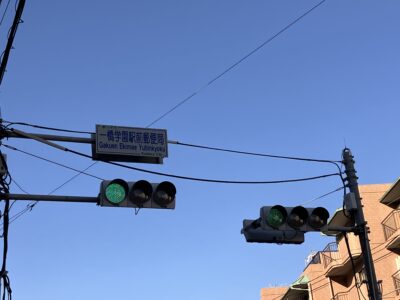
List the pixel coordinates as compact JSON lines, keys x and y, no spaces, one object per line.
{"x":273,"y":293}
{"x":319,"y":283}
{"x":324,"y":284}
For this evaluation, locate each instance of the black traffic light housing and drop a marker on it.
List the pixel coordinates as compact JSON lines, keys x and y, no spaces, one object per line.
{"x":138,"y":194}
{"x":294,"y":218}
{"x":254,"y":233}
{"x":284,"y":225}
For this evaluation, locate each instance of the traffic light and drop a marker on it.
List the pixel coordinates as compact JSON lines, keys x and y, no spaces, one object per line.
{"x":284,"y":225}
{"x":139,"y":194}
{"x":293,"y":218}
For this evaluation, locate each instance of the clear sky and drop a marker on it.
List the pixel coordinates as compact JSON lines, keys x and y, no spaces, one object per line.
{"x":330,"y":80}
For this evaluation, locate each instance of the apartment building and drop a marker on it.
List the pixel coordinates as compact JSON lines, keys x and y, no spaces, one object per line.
{"x":329,"y":273}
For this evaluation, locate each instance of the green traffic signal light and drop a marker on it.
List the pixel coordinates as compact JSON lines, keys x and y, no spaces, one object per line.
{"x":276,"y":216}
{"x":116,"y":192}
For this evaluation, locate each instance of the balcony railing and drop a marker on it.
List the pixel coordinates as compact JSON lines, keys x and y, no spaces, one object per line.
{"x":391,"y":223}
{"x":313,"y":258}
{"x":396,"y":281}
{"x":341,"y":296}
{"x":330,"y":254}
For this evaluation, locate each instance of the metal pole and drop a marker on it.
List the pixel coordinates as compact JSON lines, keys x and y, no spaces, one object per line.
{"x":50,"y":137}
{"x":52,"y":198}
{"x":57,"y":138}
{"x":13,"y":31}
{"x":373,"y":289}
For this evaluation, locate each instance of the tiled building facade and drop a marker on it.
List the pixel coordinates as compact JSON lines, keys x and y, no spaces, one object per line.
{"x":329,"y":273}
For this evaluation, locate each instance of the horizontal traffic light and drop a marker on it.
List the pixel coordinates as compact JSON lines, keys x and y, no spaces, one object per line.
{"x":284,"y":225}
{"x":293,"y":218}
{"x":138,"y":194}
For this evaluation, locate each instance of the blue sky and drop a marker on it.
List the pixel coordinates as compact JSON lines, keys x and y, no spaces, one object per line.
{"x":330,"y":80}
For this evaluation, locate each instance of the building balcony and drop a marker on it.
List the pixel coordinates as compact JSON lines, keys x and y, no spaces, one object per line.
{"x":330,"y":256}
{"x":391,"y":230}
{"x":396,"y":281}
{"x":336,"y":259}
{"x":392,"y":196}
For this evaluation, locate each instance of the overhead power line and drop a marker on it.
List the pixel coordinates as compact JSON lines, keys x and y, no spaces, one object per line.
{"x":174,"y":175}
{"x":45,"y":127}
{"x":324,"y":195}
{"x":231,"y":67}
{"x":5,"y":11}
{"x":191,"y":178}
{"x":192,"y":145}
{"x":19,"y":186}
{"x":53,"y":162}
{"x":189,"y":97}
{"x":179,"y":176}
{"x":257,"y":154}
{"x":207,"y":179}
{"x":32,"y":204}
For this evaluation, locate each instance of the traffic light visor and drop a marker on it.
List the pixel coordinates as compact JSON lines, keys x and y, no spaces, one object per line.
{"x":318,"y":218}
{"x":276,"y":216}
{"x":141,"y":192}
{"x":298,"y":217}
{"x":116,"y":191}
{"x":164,"y":193}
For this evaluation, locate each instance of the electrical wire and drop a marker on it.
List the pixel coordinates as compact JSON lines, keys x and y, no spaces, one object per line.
{"x":19,"y":186}
{"x":164,"y":174}
{"x":335,"y":162}
{"x":16,"y":6}
{"x":32,"y":204}
{"x":177,"y":143}
{"x":55,"y":163}
{"x":203,"y":179}
{"x":45,"y":127}
{"x":324,"y":195}
{"x":5,"y":11}
{"x":353,"y":266}
{"x":76,"y":175}
{"x":323,"y":276}
{"x":196,"y":178}
{"x":4,"y":188}
{"x":57,"y":146}
{"x":270,"y":39}
{"x":79,"y":172}
{"x":257,"y":154}
{"x":208,"y":84}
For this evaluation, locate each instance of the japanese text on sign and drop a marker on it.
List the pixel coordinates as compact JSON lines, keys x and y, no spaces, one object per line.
{"x":131,"y":141}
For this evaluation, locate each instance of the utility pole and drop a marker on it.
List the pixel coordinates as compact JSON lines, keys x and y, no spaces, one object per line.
{"x":358,"y":216}
{"x":13,"y":31}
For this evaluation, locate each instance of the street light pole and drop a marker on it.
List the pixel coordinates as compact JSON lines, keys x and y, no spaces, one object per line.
{"x":358,"y":216}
